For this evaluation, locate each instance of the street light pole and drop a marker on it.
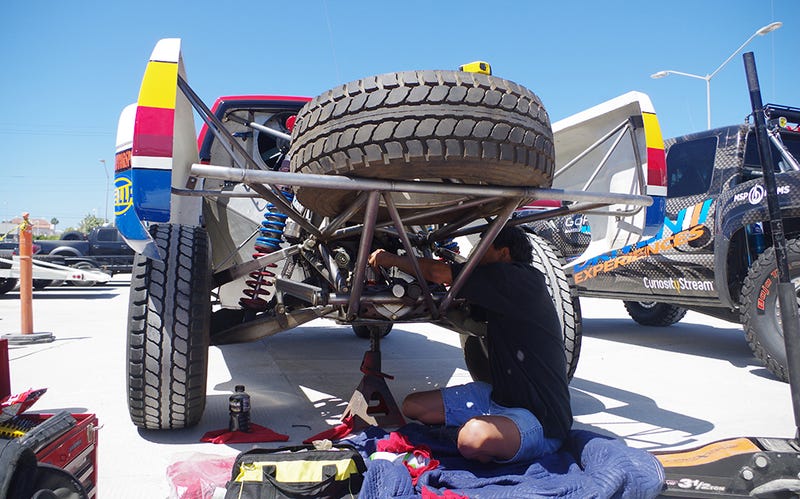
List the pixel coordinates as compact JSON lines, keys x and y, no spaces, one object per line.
{"x":105,"y":217}
{"x":707,"y":78}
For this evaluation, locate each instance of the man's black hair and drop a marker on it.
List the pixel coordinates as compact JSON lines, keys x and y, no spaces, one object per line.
{"x":516,"y":240}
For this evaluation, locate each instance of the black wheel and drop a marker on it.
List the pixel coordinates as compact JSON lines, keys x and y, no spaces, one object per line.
{"x":7,"y":285}
{"x":39,"y":284}
{"x":84,"y":266}
{"x":168,"y":330}
{"x":760,"y":311}
{"x":547,"y":260}
{"x":650,"y":313}
{"x":447,"y":126}
{"x":365,"y":331}
{"x":476,"y":357}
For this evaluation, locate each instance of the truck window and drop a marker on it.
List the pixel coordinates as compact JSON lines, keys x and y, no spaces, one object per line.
{"x":752,"y":159}
{"x":689,"y":166}
{"x":107,"y":236}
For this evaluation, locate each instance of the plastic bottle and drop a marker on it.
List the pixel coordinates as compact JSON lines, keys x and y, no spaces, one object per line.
{"x":239,"y":410}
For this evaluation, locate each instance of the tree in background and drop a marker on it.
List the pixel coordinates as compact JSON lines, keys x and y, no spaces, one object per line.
{"x":54,"y":222}
{"x":89,"y":222}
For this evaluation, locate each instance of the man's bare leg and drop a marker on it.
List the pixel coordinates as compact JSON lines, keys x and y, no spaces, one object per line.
{"x":426,"y":407}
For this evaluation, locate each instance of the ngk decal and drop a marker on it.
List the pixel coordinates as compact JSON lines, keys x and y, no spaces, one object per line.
{"x":757,"y":193}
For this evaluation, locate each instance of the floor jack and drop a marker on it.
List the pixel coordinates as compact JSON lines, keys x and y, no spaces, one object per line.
{"x":751,"y":466}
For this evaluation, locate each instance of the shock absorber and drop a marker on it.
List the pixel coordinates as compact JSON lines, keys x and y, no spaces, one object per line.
{"x":269,"y":241}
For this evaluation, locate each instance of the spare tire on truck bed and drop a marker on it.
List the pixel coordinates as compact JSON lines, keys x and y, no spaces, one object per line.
{"x":441,"y":126}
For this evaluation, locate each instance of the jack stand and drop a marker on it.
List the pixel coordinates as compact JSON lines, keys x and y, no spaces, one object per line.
{"x":372,"y":400}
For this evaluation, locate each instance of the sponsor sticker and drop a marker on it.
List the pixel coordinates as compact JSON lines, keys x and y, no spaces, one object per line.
{"x":123,"y":196}
{"x":757,"y":193}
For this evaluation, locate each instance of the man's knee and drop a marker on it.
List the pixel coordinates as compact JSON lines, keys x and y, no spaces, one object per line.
{"x":485,"y":439}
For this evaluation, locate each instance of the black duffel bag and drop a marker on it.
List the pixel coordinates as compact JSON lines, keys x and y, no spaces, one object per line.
{"x":297,"y":472}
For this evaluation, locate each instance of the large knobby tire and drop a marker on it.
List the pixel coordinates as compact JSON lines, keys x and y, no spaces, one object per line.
{"x":442,"y":126}
{"x":546,"y":260}
{"x":7,"y":285}
{"x":760,"y":310}
{"x":650,"y":313}
{"x":168,"y":330}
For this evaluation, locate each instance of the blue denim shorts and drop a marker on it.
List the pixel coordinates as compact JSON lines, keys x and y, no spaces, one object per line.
{"x":464,"y":402}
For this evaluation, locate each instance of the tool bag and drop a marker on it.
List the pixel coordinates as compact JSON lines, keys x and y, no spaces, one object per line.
{"x":297,"y":472}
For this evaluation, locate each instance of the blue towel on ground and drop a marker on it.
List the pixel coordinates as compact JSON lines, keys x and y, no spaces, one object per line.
{"x":587,"y":465}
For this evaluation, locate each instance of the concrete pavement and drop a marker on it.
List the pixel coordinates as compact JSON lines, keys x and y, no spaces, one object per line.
{"x":656,"y":388}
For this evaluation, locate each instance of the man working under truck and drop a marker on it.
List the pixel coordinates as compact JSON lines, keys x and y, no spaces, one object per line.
{"x":525,"y":412}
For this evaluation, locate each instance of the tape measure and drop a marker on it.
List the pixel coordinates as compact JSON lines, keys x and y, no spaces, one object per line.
{"x":476,"y":67}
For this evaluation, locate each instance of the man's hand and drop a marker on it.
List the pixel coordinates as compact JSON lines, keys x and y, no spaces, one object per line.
{"x":432,"y":270}
{"x":379,"y":258}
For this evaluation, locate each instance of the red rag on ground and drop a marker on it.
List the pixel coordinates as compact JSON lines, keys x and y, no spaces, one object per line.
{"x":399,"y":444}
{"x":257,"y":433}
{"x":339,"y":431}
{"x":447,"y":494}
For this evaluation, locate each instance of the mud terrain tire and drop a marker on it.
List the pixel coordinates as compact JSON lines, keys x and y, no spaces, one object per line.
{"x":168,"y":330}
{"x":654,"y":314}
{"x":760,"y":310}
{"x":442,"y":126}
{"x":547,"y":260}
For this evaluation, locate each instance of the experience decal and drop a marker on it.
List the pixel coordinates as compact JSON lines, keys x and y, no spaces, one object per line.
{"x":687,"y":226}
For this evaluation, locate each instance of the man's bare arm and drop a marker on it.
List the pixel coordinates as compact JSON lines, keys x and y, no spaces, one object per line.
{"x":435,"y":271}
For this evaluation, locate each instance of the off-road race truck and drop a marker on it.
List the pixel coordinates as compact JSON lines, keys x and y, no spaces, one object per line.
{"x":266,"y":221}
{"x":713,"y":250}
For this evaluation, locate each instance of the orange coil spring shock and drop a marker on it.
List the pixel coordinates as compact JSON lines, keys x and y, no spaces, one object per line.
{"x":269,"y":241}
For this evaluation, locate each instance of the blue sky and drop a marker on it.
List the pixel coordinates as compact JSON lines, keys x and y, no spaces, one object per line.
{"x":70,"y":67}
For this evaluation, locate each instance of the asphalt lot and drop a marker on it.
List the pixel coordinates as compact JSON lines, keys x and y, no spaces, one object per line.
{"x":656,"y":388}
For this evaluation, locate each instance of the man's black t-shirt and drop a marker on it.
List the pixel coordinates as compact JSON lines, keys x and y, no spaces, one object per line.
{"x":526,"y":348}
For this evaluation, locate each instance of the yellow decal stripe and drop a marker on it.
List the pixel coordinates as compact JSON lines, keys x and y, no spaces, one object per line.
{"x":652,"y":131}
{"x":160,"y":85}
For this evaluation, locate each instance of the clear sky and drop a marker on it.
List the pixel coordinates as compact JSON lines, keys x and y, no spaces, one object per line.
{"x":68,"y":68}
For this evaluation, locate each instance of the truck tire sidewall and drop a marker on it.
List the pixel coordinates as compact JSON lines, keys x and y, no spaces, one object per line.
{"x":8,"y":285}
{"x":760,"y":310}
{"x":654,"y":313}
{"x":168,"y":330}
{"x":547,"y":260}
{"x":423,"y":125}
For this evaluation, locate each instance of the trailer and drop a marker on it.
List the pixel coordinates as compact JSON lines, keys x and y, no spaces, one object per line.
{"x":46,"y":271}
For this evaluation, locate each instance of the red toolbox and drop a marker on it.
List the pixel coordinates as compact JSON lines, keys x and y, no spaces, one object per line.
{"x":74,"y":450}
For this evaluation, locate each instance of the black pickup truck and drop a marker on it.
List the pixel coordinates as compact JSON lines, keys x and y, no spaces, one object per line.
{"x":103,"y":248}
{"x":713,"y":253}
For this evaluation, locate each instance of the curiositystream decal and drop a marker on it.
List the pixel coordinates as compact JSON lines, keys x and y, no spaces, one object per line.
{"x":687,"y":226}
{"x":678,"y":284}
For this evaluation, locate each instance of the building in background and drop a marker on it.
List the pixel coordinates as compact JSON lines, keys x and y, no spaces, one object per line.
{"x":41,"y":227}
